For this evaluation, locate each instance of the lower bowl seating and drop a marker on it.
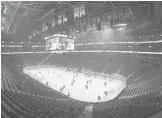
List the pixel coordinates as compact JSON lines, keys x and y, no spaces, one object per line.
{"x":24,"y":97}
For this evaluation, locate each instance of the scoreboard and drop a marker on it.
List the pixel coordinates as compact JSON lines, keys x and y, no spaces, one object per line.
{"x":59,"y":42}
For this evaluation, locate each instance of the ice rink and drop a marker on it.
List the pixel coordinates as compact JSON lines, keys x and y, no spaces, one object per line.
{"x":79,"y":87}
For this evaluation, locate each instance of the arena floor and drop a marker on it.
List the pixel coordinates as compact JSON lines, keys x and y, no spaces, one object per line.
{"x":80,"y":87}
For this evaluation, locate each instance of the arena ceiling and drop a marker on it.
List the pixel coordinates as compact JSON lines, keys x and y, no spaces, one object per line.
{"x":24,"y":15}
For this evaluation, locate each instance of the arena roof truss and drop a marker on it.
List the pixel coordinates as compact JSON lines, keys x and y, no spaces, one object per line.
{"x":25,"y":15}
{"x":27,"y":10}
{"x":20,"y":11}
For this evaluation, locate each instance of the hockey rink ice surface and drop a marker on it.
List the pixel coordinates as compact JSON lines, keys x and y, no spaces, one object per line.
{"x":58,"y":78}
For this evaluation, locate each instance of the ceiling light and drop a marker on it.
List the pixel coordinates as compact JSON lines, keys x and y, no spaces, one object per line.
{"x":21,"y":42}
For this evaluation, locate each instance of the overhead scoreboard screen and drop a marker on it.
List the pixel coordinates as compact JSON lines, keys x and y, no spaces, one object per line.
{"x":59,"y":42}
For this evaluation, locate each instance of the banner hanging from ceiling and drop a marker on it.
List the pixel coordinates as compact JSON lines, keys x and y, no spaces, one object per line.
{"x":88,"y":24}
{"x":126,"y":14}
{"x":44,"y":27}
{"x":103,"y":23}
{"x":78,"y":27}
{"x":34,"y":33}
{"x":98,"y":20}
{"x":82,"y":10}
{"x":98,"y":23}
{"x":109,"y":16}
{"x":81,"y":27}
{"x":53,"y":23}
{"x":37,"y":30}
{"x":30,"y":36}
{"x":106,"y":21}
{"x":76,"y":12}
{"x":59,"y":19}
{"x":120,"y":15}
{"x":64,"y":17}
{"x":114,"y":14}
{"x":93,"y":24}
{"x":84,"y":25}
